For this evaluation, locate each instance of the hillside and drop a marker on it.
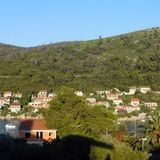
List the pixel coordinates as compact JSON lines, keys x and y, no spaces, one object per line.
{"x":119,"y":61}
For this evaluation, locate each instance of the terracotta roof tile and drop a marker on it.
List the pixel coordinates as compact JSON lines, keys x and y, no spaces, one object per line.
{"x":135,"y":99}
{"x":33,"y":124}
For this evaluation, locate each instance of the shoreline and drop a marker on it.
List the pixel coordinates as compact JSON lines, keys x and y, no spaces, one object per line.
{"x":133,"y":118}
{"x":20,"y":117}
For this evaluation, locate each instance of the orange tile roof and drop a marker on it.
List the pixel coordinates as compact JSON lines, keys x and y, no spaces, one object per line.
{"x":33,"y":124}
{"x":16,"y":104}
{"x":135,"y":99}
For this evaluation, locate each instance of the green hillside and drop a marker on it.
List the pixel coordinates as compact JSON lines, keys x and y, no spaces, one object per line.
{"x":119,"y":61}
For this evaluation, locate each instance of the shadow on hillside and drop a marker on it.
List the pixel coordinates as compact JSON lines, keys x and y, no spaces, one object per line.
{"x":74,"y":147}
{"x":71,"y":147}
{"x":155,"y":153}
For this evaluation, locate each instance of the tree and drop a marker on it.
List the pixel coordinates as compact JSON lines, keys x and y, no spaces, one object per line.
{"x":5,"y":111}
{"x":145,"y":109}
{"x":25,"y":99}
{"x":153,"y":128}
{"x":71,"y":115}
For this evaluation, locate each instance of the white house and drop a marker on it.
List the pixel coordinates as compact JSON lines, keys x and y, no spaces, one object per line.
{"x":8,"y":94}
{"x":4,"y":101}
{"x":52,"y":95}
{"x":101,"y":92}
{"x":118,"y":101}
{"x":112,"y":96}
{"x":132,"y":90}
{"x":91,"y":100}
{"x":42,"y":94}
{"x":135,"y":102}
{"x":136,"y":108}
{"x":103,"y":103}
{"x":144,"y":89}
{"x":91,"y":94}
{"x":79,"y":93}
{"x":131,"y":109}
{"x":17,"y":95}
{"x":151,"y":104}
{"x":15,"y":106}
{"x":40,"y":102}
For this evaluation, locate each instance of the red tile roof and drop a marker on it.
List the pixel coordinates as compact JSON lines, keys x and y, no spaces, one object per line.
{"x":33,"y":124}
{"x":135,"y":99}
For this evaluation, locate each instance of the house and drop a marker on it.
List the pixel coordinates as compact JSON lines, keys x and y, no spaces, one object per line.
{"x":132,"y":90}
{"x":35,"y":131}
{"x":42,"y":94}
{"x":144,"y":89}
{"x":117,"y":101}
{"x":8,"y":94}
{"x":102,"y":92}
{"x":103,"y":103}
{"x":91,"y":100}
{"x":40,"y":102}
{"x":135,"y":102}
{"x":4,"y":101}
{"x":17,"y":95}
{"x":130,"y":109}
{"x":151,"y":104}
{"x":112,"y":96}
{"x":136,"y":108}
{"x":79,"y":93}
{"x":91,"y":94}
{"x":15,"y":106}
{"x":51,"y":95}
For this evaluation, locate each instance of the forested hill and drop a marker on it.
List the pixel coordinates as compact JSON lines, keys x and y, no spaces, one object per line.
{"x":119,"y":61}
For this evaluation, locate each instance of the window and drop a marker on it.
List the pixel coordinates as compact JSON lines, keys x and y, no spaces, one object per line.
{"x":41,"y":134}
{"x":50,"y":134}
{"x":37,"y":134}
{"x":27,"y":135}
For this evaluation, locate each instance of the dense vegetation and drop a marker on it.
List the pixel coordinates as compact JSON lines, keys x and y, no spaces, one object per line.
{"x":132,"y":59}
{"x":85,"y":133}
{"x":70,"y":114}
{"x":68,"y":148}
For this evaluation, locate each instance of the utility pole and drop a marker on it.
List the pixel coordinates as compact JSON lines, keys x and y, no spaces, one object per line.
{"x":143,"y":140}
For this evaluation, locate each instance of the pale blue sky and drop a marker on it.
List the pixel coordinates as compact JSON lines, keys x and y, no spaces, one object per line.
{"x":35,"y":22}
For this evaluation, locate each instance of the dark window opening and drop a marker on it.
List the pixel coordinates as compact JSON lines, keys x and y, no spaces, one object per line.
{"x":50,"y":134}
{"x":37,"y":134}
{"x":27,"y":135}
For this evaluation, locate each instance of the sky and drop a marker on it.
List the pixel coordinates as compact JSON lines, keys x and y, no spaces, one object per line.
{"x":34,"y":22}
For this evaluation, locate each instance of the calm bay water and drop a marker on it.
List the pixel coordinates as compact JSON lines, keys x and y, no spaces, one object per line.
{"x":14,"y":132}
